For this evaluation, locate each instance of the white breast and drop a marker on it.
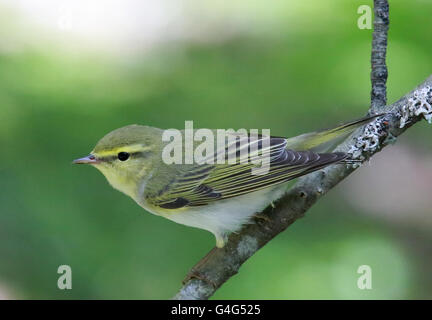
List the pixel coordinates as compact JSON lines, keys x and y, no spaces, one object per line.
{"x":223,"y":216}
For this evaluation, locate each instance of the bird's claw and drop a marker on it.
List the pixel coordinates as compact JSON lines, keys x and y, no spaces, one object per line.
{"x":264,"y":217}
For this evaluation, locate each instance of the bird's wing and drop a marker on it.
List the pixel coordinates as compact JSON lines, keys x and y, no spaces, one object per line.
{"x":326,"y":140}
{"x":202,"y":184}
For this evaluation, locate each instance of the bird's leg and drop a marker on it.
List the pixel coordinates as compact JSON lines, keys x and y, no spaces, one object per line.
{"x":262,"y":217}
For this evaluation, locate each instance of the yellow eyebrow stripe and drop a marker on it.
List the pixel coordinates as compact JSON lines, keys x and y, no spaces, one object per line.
{"x":130,"y":149}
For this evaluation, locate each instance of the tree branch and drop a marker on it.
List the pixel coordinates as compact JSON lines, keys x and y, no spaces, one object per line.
{"x":221,"y":264}
{"x":378,"y":56}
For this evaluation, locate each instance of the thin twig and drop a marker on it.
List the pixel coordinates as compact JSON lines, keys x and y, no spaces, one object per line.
{"x":378,"y":57}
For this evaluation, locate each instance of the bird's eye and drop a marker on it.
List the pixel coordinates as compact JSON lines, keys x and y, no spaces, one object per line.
{"x":123,"y":156}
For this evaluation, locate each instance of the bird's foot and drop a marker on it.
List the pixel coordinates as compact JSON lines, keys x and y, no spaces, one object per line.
{"x":262,"y":217}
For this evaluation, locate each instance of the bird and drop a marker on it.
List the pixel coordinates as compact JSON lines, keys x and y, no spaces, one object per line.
{"x":217,"y":196}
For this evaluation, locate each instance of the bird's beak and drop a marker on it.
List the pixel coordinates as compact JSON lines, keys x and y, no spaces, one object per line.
{"x":91,"y":159}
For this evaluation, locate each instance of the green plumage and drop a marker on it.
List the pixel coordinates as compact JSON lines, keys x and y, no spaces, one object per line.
{"x":218,"y":196}
{"x":199,"y":185}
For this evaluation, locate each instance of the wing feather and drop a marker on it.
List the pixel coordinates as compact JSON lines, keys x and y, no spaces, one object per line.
{"x":202,"y":184}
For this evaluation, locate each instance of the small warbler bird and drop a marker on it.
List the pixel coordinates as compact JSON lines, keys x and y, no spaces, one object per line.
{"x":218,"y":197}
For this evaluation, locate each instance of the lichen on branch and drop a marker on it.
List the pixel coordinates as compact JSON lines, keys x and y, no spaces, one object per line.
{"x":419,"y":104}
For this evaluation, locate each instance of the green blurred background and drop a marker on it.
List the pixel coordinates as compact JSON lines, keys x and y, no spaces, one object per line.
{"x":72,"y":71}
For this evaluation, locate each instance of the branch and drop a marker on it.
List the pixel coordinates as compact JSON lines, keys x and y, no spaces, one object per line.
{"x":222,"y":263}
{"x":378,"y":56}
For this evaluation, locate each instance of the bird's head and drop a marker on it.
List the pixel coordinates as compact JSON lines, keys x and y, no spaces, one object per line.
{"x":125,"y":156}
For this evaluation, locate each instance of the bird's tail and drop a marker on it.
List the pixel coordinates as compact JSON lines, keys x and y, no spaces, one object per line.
{"x":326,"y":140}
